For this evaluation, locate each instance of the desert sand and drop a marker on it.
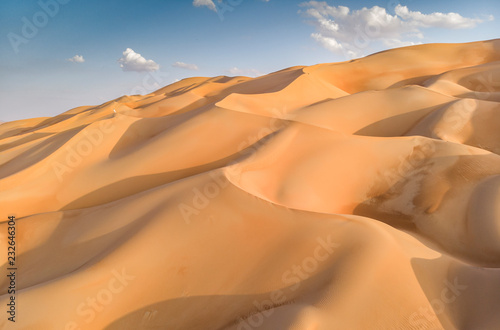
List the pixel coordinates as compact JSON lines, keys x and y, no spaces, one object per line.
{"x":356,"y":195}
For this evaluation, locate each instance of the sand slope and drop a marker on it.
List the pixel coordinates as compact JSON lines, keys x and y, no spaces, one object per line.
{"x":353,"y":195}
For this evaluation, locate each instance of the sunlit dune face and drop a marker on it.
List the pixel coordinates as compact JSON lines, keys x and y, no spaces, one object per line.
{"x":353,"y":195}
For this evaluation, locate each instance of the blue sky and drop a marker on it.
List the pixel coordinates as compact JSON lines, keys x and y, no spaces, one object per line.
{"x":86,"y":52}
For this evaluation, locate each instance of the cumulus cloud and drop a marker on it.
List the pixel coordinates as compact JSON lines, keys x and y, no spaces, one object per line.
{"x":209,"y":3}
{"x":329,"y":43}
{"x":132,"y":61}
{"x":223,"y":5}
{"x":351,"y":32}
{"x":235,"y":71}
{"x":77,"y":59}
{"x":439,"y":20}
{"x":186,"y":66}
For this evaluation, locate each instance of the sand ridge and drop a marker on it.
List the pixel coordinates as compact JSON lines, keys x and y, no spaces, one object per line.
{"x":354,"y":195}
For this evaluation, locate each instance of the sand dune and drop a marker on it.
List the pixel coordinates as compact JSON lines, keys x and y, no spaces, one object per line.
{"x":353,"y":195}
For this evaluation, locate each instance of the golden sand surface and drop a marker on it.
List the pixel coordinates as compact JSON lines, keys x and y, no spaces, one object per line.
{"x":356,"y":195}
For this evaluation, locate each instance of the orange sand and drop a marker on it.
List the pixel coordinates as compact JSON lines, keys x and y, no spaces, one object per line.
{"x":354,"y":195}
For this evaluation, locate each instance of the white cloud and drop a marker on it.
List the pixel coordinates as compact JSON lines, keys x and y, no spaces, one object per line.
{"x":209,"y":3}
{"x":235,"y":71}
{"x":327,"y":42}
{"x":132,"y":61}
{"x":186,"y":66}
{"x":352,"y":32}
{"x":439,"y":20}
{"x":77,"y":59}
{"x":394,"y":43}
{"x":227,"y":5}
